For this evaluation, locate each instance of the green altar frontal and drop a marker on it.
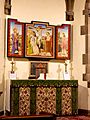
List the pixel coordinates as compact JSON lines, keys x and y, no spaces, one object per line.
{"x":58,"y":97}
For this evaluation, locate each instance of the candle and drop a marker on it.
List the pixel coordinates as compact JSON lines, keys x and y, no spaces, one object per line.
{"x":12,"y":59}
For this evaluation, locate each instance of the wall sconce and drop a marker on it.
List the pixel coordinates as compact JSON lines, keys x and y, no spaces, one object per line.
{"x":7,"y":7}
{"x":69,"y":10}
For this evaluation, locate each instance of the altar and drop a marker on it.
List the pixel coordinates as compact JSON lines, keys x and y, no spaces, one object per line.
{"x":28,"y":97}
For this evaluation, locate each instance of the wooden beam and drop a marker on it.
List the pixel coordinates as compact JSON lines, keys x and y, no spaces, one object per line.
{"x":69,"y":10}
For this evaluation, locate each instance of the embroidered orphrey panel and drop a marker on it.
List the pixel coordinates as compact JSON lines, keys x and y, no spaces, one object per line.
{"x":66,"y":101}
{"x":46,"y":100}
{"x":24,"y":101}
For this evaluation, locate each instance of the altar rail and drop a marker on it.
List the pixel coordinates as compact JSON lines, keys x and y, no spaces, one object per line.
{"x":58,"y":97}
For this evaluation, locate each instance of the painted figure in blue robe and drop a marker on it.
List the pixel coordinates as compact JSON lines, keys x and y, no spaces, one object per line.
{"x":15,"y":40}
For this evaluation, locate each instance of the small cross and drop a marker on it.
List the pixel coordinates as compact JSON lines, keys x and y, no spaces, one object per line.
{"x":58,"y":71}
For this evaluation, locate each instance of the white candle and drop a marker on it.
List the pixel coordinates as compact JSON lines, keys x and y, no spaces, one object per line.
{"x":12,"y":59}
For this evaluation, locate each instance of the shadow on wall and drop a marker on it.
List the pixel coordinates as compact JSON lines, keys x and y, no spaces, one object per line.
{"x":82,"y":97}
{"x":1,"y":97}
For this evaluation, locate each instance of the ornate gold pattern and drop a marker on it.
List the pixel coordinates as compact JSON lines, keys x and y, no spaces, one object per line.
{"x":66,"y":101}
{"x":24,"y":101}
{"x":46,"y":100}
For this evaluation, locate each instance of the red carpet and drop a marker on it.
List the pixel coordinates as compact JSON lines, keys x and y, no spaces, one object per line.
{"x":74,"y":118}
{"x":45,"y":117}
{"x":32,"y":117}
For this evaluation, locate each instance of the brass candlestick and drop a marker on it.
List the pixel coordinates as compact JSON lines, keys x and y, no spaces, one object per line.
{"x":71,"y":69}
{"x":12,"y":66}
{"x":65,"y":67}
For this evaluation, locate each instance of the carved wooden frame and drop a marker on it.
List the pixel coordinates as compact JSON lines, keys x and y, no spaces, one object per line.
{"x":12,"y":49}
{"x":36,"y":37}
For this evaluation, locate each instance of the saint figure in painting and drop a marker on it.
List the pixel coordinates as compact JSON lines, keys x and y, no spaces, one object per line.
{"x":35,"y":48}
{"x":31,"y":44}
{"x":48,"y":46}
{"x":15,"y":40}
{"x":64,"y":45}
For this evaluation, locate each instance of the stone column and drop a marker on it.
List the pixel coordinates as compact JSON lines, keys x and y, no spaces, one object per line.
{"x":85,"y":30}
